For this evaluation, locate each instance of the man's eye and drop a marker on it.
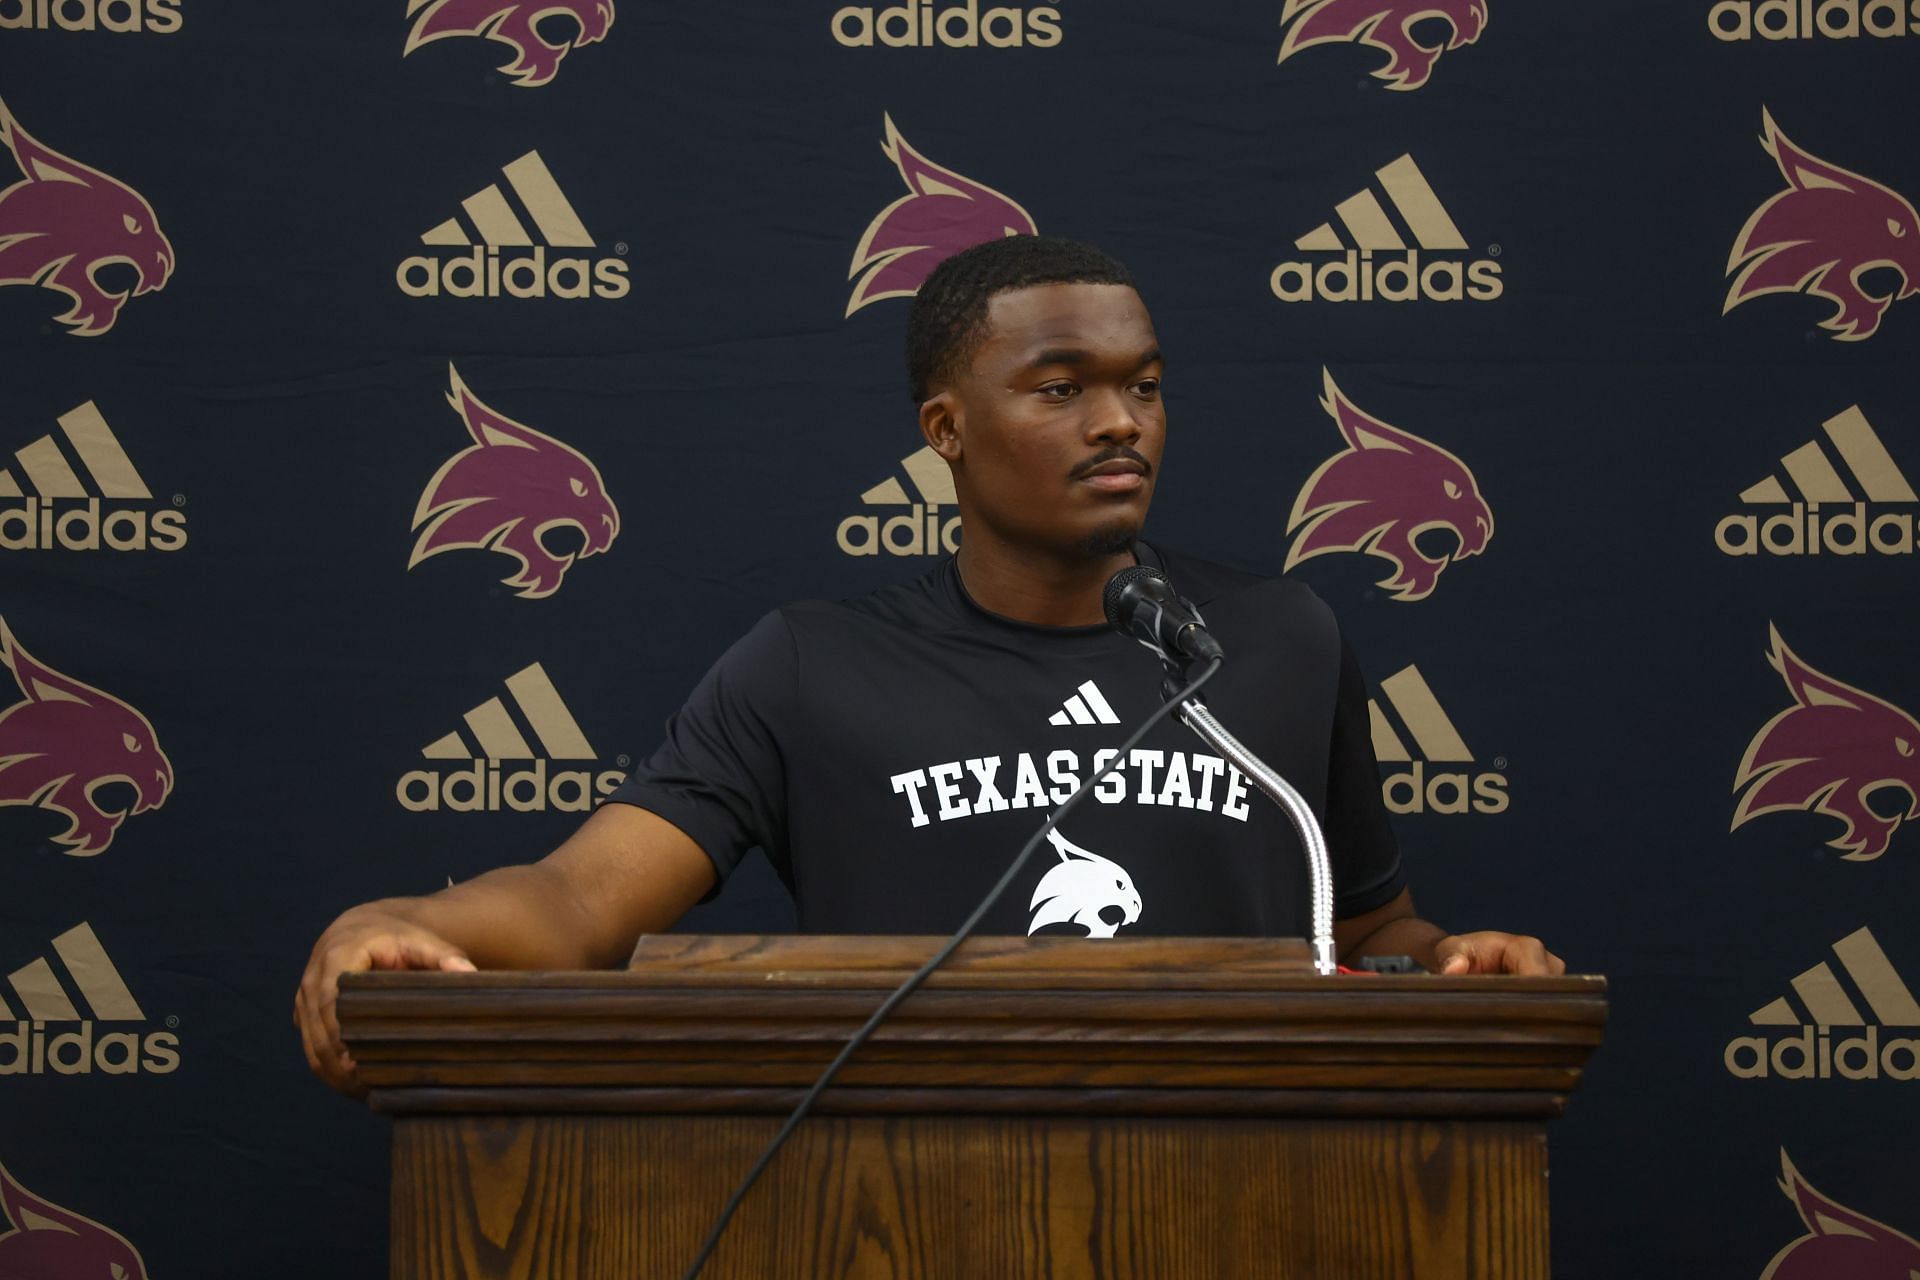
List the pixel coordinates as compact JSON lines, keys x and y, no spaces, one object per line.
{"x":1059,"y":390}
{"x":1150,"y":387}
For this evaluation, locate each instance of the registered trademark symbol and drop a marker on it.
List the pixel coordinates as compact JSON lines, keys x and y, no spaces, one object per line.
{"x":1493,"y":251}
{"x":179,"y":499}
{"x":1499,"y":762}
{"x":620,"y":247}
{"x":623,"y":761}
{"x":173,"y":1020}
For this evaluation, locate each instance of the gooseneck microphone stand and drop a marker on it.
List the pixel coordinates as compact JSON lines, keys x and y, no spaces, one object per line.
{"x":1141,"y":602}
{"x":1194,"y":714}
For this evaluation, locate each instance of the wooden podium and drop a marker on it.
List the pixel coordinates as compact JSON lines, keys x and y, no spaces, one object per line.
{"x":1155,"y":1109}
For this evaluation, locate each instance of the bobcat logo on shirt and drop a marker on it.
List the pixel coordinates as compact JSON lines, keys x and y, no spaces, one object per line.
{"x":1083,"y":889}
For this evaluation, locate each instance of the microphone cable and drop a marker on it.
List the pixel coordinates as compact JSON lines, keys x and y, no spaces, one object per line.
{"x":906,"y":988}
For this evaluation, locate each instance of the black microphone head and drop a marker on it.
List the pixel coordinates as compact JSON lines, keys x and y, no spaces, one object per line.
{"x":1123,"y":594}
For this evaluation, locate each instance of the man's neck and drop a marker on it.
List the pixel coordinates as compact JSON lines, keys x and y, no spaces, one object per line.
{"x":1033,"y":587}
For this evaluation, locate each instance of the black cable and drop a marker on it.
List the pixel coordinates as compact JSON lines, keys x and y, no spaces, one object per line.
{"x":906,"y":988}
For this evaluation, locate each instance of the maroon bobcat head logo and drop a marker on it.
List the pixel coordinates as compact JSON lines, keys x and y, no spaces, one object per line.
{"x":63,"y":221}
{"x":1380,"y":494}
{"x":47,"y":1242}
{"x":1384,"y":24}
{"x":514,"y":23}
{"x":1829,"y":752}
{"x":1819,"y":236}
{"x":1840,"y":1244}
{"x":941,"y":214}
{"x":66,"y":740}
{"x":506,"y":492}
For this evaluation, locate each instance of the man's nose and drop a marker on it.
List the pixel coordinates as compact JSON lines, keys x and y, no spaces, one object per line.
{"x":1110,"y":418}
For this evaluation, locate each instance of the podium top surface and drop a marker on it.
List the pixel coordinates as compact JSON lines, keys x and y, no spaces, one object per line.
{"x":1171,"y":1025}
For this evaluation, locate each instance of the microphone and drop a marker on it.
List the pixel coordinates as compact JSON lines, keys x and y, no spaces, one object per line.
{"x":1140,"y":602}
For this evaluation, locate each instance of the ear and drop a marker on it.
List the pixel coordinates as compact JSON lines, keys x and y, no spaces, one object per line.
{"x":487,"y":427}
{"x":941,"y":425}
{"x":1068,"y":850}
{"x":1801,"y":170}
{"x":27,"y":1212}
{"x":38,"y":683}
{"x":1810,"y":688}
{"x":1361,"y":430}
{"x":1823,"y":1217}
{"x":37,"y":162}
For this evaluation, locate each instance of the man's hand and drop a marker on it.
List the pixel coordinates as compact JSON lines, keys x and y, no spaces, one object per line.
{"x":1458,"y":954}
{"x":361,"y":939}
{"x":622,"y":873}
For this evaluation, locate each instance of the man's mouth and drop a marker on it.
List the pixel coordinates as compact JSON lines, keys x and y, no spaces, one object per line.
{"x":1114,"y":474}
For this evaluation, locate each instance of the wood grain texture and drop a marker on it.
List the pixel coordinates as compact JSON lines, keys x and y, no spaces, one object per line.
{"x":933,"y":1196}
{"x":1183,"y":1026}
{"x":1051,"y":1108}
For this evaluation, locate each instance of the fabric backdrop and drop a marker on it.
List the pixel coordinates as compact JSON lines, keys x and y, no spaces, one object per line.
{"x":1572,"y":364}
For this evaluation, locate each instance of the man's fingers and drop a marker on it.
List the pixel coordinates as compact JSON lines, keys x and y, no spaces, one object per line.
{"x":313,"y":1043}
{"x":313,"y":1059}
{"x":1526,"y":957}
{"x":417,"y":951}
{"x":326,"y":1007}
{"x":355,"y":950}
{"x":1494,"y":952}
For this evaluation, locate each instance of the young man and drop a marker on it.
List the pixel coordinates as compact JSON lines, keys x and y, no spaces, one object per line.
{"x":892,"y":752}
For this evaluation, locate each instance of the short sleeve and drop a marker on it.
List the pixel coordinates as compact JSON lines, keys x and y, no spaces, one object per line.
{"x":1360,"y":844}
{"x":720,"y":775}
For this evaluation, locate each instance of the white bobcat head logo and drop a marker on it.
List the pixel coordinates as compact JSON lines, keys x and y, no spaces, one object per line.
{"x":1084,"y":889}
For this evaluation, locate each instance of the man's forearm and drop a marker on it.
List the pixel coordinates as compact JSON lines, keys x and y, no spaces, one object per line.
{"x":1407,"y":936}
{"x":515,"y":917}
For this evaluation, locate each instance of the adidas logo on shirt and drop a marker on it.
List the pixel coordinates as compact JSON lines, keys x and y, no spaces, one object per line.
{"x":1419,"y":789}
{"x":494,"y":741}
{"x":1086,"y":706}
{"x":1792,"y":1047}
{"x":45,"y":503}
{"x":913,"y":525}
{"x":1345,"y":268}
{"x":35,"y":1004}
{"x":509,"y":259}
{"x":1791,"y":521}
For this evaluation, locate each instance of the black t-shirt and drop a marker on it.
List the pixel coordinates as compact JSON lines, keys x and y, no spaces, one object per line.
{"x":891,"y":753}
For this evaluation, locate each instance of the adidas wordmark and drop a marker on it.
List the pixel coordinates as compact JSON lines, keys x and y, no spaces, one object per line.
{"x":508,"y":260}
{"x":1828,"y":516}
{"x":1374,"y":263}
{"x":493,"y":744}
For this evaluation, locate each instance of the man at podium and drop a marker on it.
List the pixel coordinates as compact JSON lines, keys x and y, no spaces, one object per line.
{"x":891,"y":752}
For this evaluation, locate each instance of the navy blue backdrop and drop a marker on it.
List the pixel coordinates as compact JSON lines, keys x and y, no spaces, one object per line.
{"x":1652,"y":256}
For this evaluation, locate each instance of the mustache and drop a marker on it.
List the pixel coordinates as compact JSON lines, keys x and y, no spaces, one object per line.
{"x":1108,"y":454}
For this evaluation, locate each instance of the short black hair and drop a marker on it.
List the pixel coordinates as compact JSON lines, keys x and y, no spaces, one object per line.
{"x":949,"y":315}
